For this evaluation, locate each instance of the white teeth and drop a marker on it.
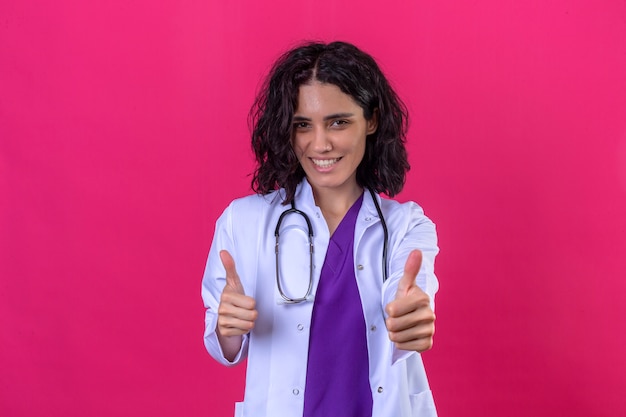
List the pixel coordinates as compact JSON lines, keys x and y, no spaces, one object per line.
{"x":324,"y":163}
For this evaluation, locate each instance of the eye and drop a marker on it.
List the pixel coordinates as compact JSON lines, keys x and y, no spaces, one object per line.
{"x":340,"y":123}
{"x":301,"y":125}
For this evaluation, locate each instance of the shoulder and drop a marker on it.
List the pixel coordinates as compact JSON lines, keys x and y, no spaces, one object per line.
{"x":408,"y":211}
{"x":245,"y":216}
{"x":409,"y":228}
{"x":407,"y":219}
{"x":247,"y":213}
{"x":256,"y":202}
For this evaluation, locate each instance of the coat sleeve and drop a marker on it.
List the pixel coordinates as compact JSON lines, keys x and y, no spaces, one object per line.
{"x":415,"y":231}
{"x":213,"y":284}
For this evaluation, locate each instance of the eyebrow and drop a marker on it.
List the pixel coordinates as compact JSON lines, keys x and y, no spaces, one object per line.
{"x":326,"y":118}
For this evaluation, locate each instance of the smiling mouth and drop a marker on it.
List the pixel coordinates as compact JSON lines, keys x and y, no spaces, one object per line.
{"x":325,"y":163}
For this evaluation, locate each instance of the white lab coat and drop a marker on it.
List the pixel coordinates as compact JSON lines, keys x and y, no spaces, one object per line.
{"x":277,"y":347}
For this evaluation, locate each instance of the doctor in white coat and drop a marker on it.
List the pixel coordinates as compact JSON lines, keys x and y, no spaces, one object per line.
{"x":328,"y":135}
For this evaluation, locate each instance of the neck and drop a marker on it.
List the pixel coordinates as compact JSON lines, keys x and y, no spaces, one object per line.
{"x":334,"y":204}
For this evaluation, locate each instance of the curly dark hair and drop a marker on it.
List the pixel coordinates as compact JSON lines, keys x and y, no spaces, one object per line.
{"x":384,"y":165}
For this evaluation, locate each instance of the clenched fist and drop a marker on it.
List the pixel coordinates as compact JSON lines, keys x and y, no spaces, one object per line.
{"x":236,"y":312}
{"x":411,"y":321}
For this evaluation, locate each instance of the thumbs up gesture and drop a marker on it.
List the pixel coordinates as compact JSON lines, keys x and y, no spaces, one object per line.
{"x":236,"y":313}
{"x":411,"y":321}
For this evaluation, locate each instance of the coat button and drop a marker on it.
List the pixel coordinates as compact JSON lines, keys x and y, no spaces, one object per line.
{"x":300,"y":327}
{"x":373,"y":327}
{"x":359,"y":267}
{"x":296,"y":391}
{"x":380,"y":390}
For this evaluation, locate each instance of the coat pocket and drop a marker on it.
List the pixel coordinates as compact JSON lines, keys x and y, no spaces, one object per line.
{"x":423,"y":404}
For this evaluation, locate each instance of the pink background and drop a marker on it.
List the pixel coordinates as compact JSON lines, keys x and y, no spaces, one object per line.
{"x":123,"y":135}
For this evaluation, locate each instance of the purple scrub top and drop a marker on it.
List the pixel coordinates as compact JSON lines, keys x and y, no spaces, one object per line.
{"x":337,"y":379}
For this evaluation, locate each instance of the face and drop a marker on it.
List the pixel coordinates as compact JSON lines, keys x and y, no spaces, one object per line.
{"x":329,"y":137}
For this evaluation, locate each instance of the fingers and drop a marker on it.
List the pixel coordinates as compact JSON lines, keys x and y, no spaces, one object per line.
{"x":419,"y":318}
{"x":233,"y":326}
{"x":232,"y":278}
{"x":413,"y":342}
{"x":233,"y":301}
{"x":411,"y":321}
{"x":414,"y":300}
{"x":237,"y":312}
{"x":413,"y":331}
{"x":411,"y":269}
{"x":409,"y":296}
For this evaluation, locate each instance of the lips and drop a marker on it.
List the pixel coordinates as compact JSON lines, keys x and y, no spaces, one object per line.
{"x":325,"y":163}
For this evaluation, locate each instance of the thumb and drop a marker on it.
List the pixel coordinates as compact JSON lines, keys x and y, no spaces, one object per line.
{"x":232,"y":277}
{"x":411,"y":269}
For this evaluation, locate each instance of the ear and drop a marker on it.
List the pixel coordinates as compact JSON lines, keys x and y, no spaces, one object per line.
{"x":372,"y":124}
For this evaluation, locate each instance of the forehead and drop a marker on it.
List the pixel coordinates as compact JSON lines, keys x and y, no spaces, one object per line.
{"x":316,"y":97}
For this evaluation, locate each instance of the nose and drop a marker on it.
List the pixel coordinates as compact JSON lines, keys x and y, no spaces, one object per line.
{"x":321,"y":141}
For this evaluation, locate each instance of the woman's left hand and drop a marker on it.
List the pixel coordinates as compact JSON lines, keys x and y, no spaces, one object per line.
{"x":411,"y":321}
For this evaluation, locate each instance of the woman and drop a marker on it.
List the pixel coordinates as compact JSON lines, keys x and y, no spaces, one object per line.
{"x":332,"y":313}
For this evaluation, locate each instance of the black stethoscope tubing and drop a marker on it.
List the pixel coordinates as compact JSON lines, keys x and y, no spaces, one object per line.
{"x":383,"y":223}
{"x":293,"y":209}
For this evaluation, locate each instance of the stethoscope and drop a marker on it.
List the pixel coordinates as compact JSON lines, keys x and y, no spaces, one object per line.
{"x":294,"y":210}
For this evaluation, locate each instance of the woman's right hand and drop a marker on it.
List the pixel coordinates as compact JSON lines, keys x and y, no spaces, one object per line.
{"x":236,"y":312}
